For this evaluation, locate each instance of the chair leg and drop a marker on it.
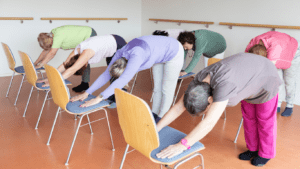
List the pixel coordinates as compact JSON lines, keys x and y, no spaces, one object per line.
{"x":111,"y":139}
{"x":189,"y":158}
{"x":12,"y":77}
{"x":90,"y":124}
{"x":151,"y":78}
{"x":124,"y":156}
{"x":53,"y":125}
{"x":152,"y":96}
{"x":238,"y":132}
{"x":177,"y":92}
{"x":28,"y":102}
{"x":203,"y":116}
{"x":133,"y":83}
{"x":225,"y":114}
{"x":37,"y":123}
{"x":75,"y":136}
{"x":75,"y":117}
{"x":19,"y":89}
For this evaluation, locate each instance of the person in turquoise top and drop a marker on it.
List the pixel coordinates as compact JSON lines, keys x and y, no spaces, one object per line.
{"x":65,"y":37}
{"x":203,"y":42}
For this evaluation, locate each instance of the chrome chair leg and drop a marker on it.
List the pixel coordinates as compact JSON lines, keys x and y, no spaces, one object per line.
{"x":152,"y":96}
{"x":133,"y":83}
{"x":11,"y":79}
{"x":90,"y":124}
{"x":177,"y":92}
{"x":28,"y":102}
{"x":19,"y":90}
{"x":225,"y":114}
{"x":75,"y":136}
{"x":203,"y":116}
{"x":37,"y":123}
{"x":124,"y":156}
{"x":189,"y":158}
{"x":238,"y":132}
{"x":53,"y":125}
{"x":111,"y":139}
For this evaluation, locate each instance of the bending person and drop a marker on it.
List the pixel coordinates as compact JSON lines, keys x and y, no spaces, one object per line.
{"x":165,"y":54}
{"x":64,"y":37}
{"x":247,"y":78}
{"x":174,"y":33}
{"x":281,"y":49}
{"x":204,"y":42}
{"x":90,"y":51}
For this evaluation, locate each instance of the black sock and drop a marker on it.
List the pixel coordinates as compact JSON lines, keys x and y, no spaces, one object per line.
{"x":287,"y":112}
{"x":248,"y":155}
{"x":259,"y":161}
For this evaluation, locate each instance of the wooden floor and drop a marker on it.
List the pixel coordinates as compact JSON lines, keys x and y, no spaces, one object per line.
{"x":24,"y":147}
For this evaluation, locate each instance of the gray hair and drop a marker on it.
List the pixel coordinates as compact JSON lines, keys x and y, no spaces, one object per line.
{"x":117,"y":68}
{"x":196,"y":97}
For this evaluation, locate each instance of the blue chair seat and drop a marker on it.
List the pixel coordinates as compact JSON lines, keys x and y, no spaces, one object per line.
{"x":39,"y":85}
{"x":20,"y":69}
{"x":74,"y":106}
{"x":169,"y":136}
{"x":189,"y":74}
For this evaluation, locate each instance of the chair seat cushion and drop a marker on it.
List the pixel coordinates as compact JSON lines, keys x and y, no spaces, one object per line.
{"x":20,"y":69}
{"x":74,"y":106}
{"x":169,"y":136}
{"x":39,"y":85}
{"x":189,"y":74}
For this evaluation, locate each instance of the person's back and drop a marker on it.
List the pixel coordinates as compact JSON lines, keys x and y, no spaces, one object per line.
{"x":242,"y":76}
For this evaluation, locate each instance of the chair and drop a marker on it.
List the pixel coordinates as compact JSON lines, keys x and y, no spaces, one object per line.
{"x":20,"y":70}
{"x":61,"y":97}
{"x":31,"y":77}
{"x":238,"y":132}
{"x":139,"y":130}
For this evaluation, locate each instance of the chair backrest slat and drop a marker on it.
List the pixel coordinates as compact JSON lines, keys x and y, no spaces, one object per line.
{"x":137,"y":123}
{"x":58,"y":89}
{"x":212,"y":61}
{"x":9,"y":56}
{"x":29,"y":68}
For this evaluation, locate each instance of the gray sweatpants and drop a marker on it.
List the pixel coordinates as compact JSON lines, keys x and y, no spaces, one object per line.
{"x":165,"y":77}
{"x":289,"y":79}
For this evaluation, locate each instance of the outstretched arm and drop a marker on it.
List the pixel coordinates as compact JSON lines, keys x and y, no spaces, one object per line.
{"x":200,"y":131}
{"x":41,"y":57}
{"x":50,"y":55}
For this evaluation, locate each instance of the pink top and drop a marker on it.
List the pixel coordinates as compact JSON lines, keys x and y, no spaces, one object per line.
{"x":280,"y":47}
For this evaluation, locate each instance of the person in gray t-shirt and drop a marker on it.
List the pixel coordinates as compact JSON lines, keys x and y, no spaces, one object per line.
{"x":244,"y":77}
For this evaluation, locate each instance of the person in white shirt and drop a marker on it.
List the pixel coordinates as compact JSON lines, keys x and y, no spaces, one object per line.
{"x":90,"y":51}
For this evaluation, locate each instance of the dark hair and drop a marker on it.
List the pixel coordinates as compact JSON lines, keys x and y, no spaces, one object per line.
{"x":72,"y":62}
{"x":188,"y":37}
{"x":161,"y":33}
{"x":44,"y":40}
{"x":259,"y":50}
{"x":196,"y":97}
{"x":117,"y":68}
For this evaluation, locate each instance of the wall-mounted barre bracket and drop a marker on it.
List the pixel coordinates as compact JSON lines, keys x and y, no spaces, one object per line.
{"x":207,"y":25}
{"x":50,"y":21}
{"x":179,"y":23}
{"x":87,"y":21}
{"x":119,"y":21}
{"x":21,"y":21}
{"x":230,"y":27}
{"x":273,"y":29}
{"x":156,"y":22}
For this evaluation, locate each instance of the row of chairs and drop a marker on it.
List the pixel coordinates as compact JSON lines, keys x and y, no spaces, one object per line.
{"x":129,"y":111}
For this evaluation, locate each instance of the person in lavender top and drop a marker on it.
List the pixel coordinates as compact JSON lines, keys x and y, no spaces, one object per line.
{"x":164,"y":54}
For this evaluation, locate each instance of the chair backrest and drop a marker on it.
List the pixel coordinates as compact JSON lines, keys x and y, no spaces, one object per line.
{"x":29,"y":68}
{"x":212,"y":61}
{"x":9,"y":56}
{"x":137,"y":123}
{"x":59,"y":91}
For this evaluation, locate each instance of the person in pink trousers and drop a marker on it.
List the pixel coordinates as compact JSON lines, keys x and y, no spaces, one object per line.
{"x":245,"y":77}
{"x":284,"y":52}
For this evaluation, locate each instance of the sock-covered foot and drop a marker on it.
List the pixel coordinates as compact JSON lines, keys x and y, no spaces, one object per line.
{"x":248,"y":155}
{"x":82,"y":87}
{"x":287,"y":112}
{"x":156,"y":117}
{"x":112,"y":105}
{"x":259,"y":161}
{"x":278,"y":109}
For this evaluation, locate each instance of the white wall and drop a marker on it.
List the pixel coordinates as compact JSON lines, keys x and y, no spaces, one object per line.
{"x":23,"y":37}
{"x":275,"y":12}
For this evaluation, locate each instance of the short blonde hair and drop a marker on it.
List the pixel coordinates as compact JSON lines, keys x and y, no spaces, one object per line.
{"x":117,"y":68}
{"x":45,"y":41}
{"x":258,"y":50}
